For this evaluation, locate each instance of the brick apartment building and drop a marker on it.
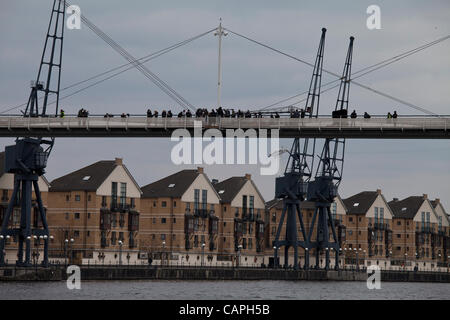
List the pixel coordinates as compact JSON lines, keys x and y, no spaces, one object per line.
{"x":241,"y":222}
{"x":6,"y":190}
{"x":369,"y":230}
{"x":179,"y":219}
{"x":420,"y":234}
{"x":93,"y":215}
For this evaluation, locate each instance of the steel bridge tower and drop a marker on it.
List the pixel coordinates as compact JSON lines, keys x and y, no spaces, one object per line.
{"x":292,"y":187}
{"x":323,"y":189}
{"x":27,"y":159}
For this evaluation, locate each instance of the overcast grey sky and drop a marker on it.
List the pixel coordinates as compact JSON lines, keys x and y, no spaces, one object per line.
{"x":253,"y":77}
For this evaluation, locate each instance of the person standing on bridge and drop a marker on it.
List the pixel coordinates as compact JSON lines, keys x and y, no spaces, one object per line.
{"x":353,"y":115}
{"x":389,"y":115}
{"x":395,"y":115}
{"x":61,"y":113}
{"x":366,"y":115}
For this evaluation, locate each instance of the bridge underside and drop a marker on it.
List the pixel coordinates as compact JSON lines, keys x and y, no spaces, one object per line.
{"x":407,"y":128}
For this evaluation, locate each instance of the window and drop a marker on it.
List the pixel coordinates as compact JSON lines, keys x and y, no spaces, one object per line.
{"x":89,"y":215}
{"x":67,"y":216}
{"x":88,"y":233}
{"x":211,"y":207}
{"x":334,"y":210}
{"x":89,"y":197}
{"x":77,"y":215}
{"x":244,"y":243}
{"x":153,"y":237}
{"x":77,"y":197}
{"x":399,"y":223}
{"x":204,"y":199}
{"x":132,"y":202}
{"x":154,"y":204}
{"x":250,"y":243}
{"x":382,"y":215}
{"x":67,"y":198}
{"x":376,"y":215}
{"x":114,"y":193}
{"x":244,"y":205}
{"x":76,"y":233}
{"x":252,"y":204}
{"x":164,"y":204}
{"x":174,"y":236}
{"x":274,"y":217}
{"x":113,"y":238}
{"x":350,"y":219}
{"x":174,"y":204}
{"x":196,"y":199}
{"x":104,"y":201}
{"x":163,"y":237}
{"x":123,"y":193}
{"x":195,"y":241}
{"x":154,"y":220}
{"x":163,"y":220}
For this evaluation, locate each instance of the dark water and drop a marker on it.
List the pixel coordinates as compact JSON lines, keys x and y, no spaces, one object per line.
{"x":232,"y":290}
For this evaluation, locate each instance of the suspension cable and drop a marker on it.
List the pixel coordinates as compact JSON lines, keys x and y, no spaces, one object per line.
{"x":143,"y":69}
{"x":334,"y":74}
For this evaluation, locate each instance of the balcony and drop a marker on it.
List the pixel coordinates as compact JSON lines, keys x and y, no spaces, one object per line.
{"x":381,"y":226}
{"x":104,"y":242}
{"x":105,"y":219}
{"x":133,"y":221}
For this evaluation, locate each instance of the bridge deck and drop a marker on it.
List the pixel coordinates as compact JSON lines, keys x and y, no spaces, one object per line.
{"x":374,"y":128}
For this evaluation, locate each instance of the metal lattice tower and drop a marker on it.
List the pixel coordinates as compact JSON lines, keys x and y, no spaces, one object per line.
{"x":292,"y":187}
{"x":27,"y":159}
{"x":323,"y":189}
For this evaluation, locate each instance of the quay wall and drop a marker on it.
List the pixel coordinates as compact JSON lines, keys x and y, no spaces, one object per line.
{"x":170,"y":273}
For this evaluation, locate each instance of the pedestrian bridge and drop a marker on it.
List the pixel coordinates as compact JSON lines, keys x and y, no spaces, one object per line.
{"x":140,"y":126}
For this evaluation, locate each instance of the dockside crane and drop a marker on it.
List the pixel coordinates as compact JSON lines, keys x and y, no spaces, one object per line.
{"x":27,"y":159}
{"x":323,"y":190}
{"x":292,"y":186}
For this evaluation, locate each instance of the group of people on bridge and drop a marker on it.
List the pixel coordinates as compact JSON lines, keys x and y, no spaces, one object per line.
{"x":231,"y":113}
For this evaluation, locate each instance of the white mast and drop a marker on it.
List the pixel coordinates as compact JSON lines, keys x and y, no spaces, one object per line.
{"x":219,"y":32}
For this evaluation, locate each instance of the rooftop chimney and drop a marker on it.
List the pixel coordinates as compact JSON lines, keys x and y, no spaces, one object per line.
{"x":119,"y":161}
{"x":395,"y":199}
{"x":214,"y":181}
{"x":248,"y":176}
{"x":437,"y":200}
{"x":379,"y":191}
{"x":425,"y":196}
{"x":199,"y":169}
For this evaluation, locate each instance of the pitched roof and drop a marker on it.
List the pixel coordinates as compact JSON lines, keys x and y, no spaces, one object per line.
{"x":173,"y":186}
{"x":361,"y":202}
{"x":229,"y":188}
{"x":78,"y":180}
{"x":406,"y":208}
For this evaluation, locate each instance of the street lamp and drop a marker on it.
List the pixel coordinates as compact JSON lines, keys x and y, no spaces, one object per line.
{"x":163,"y":253}
{"x":203,"y":253}
{"x":66,"y":242}
{"x":239,"y":254}
{"x":120,"y":252}
{"x":275,"y":264}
